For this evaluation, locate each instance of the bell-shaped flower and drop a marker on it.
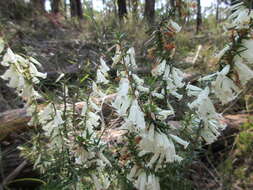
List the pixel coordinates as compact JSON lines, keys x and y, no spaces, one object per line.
{"x":244,"y":72}
{"x":176,"y":28}
{"x":9,"y":57}
{"x":193,"y":90}
{"x":223,"y":51}
{"x":103,"y":67}
{"x":179,"y":140}
{"x":142,"y":89}
{"x":159,"y":69}
{"x":123,"y":87}
{"x":246,"y":50}
{"x":96,"y":92}
{"x":101,"y":77}
{"x":137,"y":79}
{"x":178,"y":77}
{"x":224,"y":88}
{"x":136,"y":116}
{"x":96,"y":181}
{"x":157,"y":95}
{"x":130,"y":58}
{"x":163,"y":114}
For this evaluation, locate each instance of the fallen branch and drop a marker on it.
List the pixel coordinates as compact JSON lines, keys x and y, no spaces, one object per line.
{"x":14,"y":173}
{"x":18,"y":119}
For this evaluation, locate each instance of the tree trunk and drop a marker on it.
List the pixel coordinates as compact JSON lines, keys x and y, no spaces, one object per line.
{"x":217,"y":11}
{"x":38,"y":5}
{"x":135,"y":9}
{"x":76,"y":9}
{"x":179,"y":8}
{"x":149,"y":12}
{"x":122,"y":9}
{"x":55,"y":4}
{"x":173,"y":6}
{"x":199,"y":17}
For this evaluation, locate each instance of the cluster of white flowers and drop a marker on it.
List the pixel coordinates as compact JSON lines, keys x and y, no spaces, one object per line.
{"x":240,"y":17}
{"x":172,"y":76}
{"x":22,"y":74}
{"x":154,"y":142}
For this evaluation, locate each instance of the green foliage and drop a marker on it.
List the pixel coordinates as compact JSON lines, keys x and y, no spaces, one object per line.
{"x":237,"y":168}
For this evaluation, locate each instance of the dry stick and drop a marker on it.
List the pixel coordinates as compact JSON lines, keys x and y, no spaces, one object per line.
{"x":197,"y":54}
{"x":14,"y":173}
{"x":17,"y":119}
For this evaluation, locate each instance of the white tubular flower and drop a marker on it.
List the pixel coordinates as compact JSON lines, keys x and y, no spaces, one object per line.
{"x":123,"y":87}
{"x":158,"y":144}
{"x":121,"y":104}
{"x":94,"y":106}
{"x":244,"y":72}
{"x":178,"y":77}
{"x":136,"y":116}
{"x":224,"y":88}
{"x":153,"y":183}
{"x":130,"y":58}
{"x":208,"y":77}
{"x":122,"y":101}
{"x":9,"y":57}
{"x":92,"y":121}
{"x":51,"y":128}
{"x":132,"y":173}
{"x":137,"y":79}
{"x":211,"y":119}
{"x":211,"y":130}
{"x":163,"y":114}
{"x":159,"y":69}
{"x":35,"y":73}
{"x":104,"y":159}
{"x":1,"y":45}
{"x":101,"y":78}
{"x":21,"y":74}
{"x":103,"y":67}
{"x":157,"y":95}
{"x":179,"y":140}
{"x":175,"y":26}
{"x":143,"y":89}
{"x":240,"y":17}
{"x":141,"y":181}
{"x":246,"y":50}
{"x":15,"y":79}
{"x":223,"y":51}
{"x":147,"y":182}
{"x":177,"y":95}
{"x":200,"y":99}
{"x":45,"y":114}
{"x":102,"y":72}
{"x":193,"y":90}
{"x":84,"y":109}
{"x":96,"y":182}
{"x":96,"y":91}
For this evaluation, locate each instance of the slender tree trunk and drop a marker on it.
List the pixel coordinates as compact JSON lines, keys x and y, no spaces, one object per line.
{"x":149,"y":12}
{"x":217,"y":11}
{"x":38,"y":5}
{"x":199,"y":17}
{"x":122,"y":9}
{"x":173,"y":6}
{"x":135,"y":9}
{"x":79,"y":9}
{"x":179,"y":8}
{"x":73,"y":8}
{"x":76,"y":9}
{"x":55,"y":4}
